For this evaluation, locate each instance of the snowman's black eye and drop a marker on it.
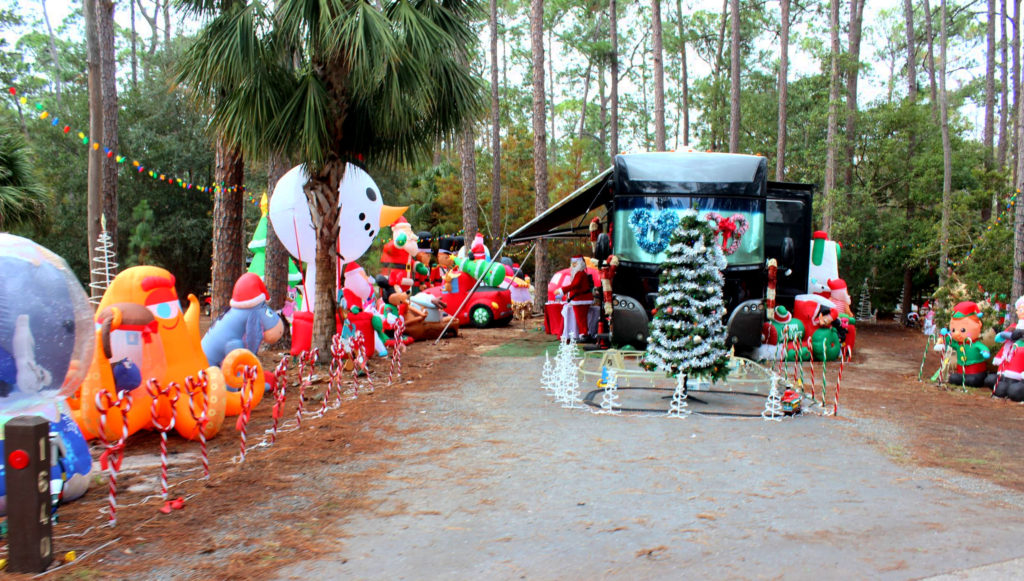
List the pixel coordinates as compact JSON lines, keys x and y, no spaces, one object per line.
{"x":371,"y":194}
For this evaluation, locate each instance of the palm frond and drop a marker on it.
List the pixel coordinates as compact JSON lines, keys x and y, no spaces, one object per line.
{"x":301,"y":125}
{"x":23,"y":199}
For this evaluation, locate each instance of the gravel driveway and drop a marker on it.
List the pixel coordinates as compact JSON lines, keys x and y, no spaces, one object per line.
{"x":496,"y":481}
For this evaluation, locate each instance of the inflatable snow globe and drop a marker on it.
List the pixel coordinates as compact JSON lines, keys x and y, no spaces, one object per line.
{"x":46,"y":330}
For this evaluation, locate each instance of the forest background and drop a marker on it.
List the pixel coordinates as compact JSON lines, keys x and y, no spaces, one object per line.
{"x":916,"y":192}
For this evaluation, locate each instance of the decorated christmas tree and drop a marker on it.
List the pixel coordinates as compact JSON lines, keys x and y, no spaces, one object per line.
{"x":864,"y":306}
{"x":687,"y":334}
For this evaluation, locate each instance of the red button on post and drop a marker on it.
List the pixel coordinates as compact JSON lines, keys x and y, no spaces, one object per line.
{"x":18,"y":459}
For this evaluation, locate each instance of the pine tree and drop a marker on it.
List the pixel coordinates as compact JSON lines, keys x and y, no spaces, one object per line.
{"x":687,"y":333}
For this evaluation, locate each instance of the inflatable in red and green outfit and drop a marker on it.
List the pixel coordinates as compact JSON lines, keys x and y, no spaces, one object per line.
{"x":823,"y":329}
{"x":1009,"y":381}
{"x":840,"y":297}
{"x":782,"y":337}
{"x":397,"y":260}
{"x":964,"y":338}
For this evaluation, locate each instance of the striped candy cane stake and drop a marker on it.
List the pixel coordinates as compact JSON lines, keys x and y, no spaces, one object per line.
{"x":334,"y":370}
{"x":839,"y":381}
{"x":170,"y":395}
{"x":245,"y":396}
{"x":200,"y":387}
{"x":280,"y":373}
{"x":824,"y":375}
{"x":810,"y":359}
{"x":928,"y":342}
{"x":396,"y":354}
{"x":113,"y":455}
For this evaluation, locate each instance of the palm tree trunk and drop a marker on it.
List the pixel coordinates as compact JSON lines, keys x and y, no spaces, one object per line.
{"x":276,"y":269}
{"x":734,"y":79}
{"x":780,"y":148}
{"x":613,"y":149}
{"x":1018,"y":223}
{"x":852,"y":73}
{"x":908,"y":14}
{"x":659,"y":76}
{"x":495,"y":127}
{"x":94,"y":206}
{"x":551,"y":90}
{"x":322,"y":195}
{"x":228,"y":241}
{"x":833,"y":114}
{"x":108,"y":78}
{"x":540,"y":155}
{"x":947,"y":153}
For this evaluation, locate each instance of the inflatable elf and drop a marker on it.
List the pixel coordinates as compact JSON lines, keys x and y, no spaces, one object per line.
{"x":1009,"y":381}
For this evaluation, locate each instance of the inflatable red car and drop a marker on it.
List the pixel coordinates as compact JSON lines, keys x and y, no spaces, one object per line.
{"x":488,"y":305}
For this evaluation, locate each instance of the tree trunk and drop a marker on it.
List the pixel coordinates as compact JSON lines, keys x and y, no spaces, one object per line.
{"x":947,"y":152}
{"x":1004,"y":114}
{"x":683,"y":80}
{"x":540,"y":155}
{"x":108,"y":77}
{"x":718,"y":132}
{"x":467,"y":159}
{"x":852,"y":73}
{"x":930,"y":63}
{"x":1018,"y":223}
{"x":58,"y":77}
{"x":988,"y":132}
{"x":135,"y":42}
{"x":496,"y":229}
{"x":228,"y":239}
{"x":659,"y":76}
{"x":578,"y":146}
{"x":603,"y":111}
{"x":908,"y":14}
{"x":551,"y":92}
{"x":833,"y":118}
{"x":780,"y":148}
{"x":613,"y":149}
{"x":167,"y":23}
{"x":154,"y":31}
{"x":734,"y":79}
{"x":94,"y":207}
{"x":1015,"y":79}
{"x":322,"y":195}
{"x":276,"y":266}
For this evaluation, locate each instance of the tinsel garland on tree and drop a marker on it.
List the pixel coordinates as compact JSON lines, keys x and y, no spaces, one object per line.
{"x":687,"y":334}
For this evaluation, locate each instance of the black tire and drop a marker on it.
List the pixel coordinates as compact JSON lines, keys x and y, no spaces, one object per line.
{"x":481,"y":316}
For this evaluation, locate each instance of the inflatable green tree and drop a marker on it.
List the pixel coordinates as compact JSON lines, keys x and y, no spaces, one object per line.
{"x":687,"y":333}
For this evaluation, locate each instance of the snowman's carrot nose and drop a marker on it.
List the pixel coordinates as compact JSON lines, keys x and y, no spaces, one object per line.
{"x":388,"y":214}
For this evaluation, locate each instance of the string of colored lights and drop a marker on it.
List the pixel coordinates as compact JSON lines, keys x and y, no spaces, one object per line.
{"x":42,"y":114}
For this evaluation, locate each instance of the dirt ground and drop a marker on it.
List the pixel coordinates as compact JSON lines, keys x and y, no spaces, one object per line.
{"x":252,"y":519}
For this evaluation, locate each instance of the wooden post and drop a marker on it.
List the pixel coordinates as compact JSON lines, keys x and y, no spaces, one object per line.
{"x":27,"y":475}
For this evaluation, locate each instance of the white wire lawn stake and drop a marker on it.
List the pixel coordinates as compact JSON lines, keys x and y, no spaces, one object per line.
{"x":572,"y":379}
{"x":546,"y":374}
{"x":679,"y":408}
{"x":560,"y":375}
{"x":773,"y":405}
{"x":610,"y":397}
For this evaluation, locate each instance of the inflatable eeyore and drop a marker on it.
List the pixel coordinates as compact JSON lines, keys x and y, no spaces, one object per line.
{"x":249,"y":323}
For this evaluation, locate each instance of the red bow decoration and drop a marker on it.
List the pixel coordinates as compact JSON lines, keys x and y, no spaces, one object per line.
{"x":732,"y":227}
{"x":112,"y":456}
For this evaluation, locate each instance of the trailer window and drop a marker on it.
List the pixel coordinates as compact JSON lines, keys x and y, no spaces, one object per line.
{"x":751,"y":248}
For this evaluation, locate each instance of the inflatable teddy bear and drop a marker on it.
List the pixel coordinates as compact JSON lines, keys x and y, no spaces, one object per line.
{"x":964,"y":339}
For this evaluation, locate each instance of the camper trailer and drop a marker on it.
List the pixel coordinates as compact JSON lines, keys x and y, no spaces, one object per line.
{"x":777,"y":215}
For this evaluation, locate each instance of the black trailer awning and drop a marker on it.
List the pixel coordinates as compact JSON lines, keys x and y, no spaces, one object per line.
{"x":555,"y":222}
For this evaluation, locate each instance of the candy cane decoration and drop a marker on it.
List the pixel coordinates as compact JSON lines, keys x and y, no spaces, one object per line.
{"x":279,"y":395}
{"x":170,"y":395}
{"x":113,"y":455}
{"x":810,"y":359}
{"x":201,"y":387}
{"x":963,"y":357}
{"x":334,"y":382}
{"x":824,"y":373}
{"x":839,"y":380}
{"x":306,"y":360}
{"x":396,"y":354}
{"x":359,"y":356}
{"x":927,"y":346}
{"x":246,"y":395}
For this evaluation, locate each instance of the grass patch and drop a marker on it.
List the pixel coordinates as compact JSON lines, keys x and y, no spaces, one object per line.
{"x":520,"y":348}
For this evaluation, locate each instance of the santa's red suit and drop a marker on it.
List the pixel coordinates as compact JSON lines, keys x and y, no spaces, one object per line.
{"x":579,"y":292}
{"x":393,"y":264}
